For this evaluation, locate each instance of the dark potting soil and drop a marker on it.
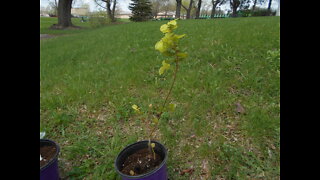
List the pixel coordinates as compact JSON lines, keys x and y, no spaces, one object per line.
{"x":47,"y":153}
{"x":141,"y":162}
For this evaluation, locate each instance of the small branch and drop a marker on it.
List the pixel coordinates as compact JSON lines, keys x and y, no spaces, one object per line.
{"x":184,"y":7}
{"x":100,"y":4}
{"x":164,"y":104}
{"x":174,"y":80}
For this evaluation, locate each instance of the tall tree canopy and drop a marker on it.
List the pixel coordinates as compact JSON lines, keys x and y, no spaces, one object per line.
{"x":141,"y":10}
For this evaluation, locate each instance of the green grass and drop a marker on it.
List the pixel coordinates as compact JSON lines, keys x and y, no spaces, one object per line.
{"x":90,"y":80}
{"x":47,"y":22}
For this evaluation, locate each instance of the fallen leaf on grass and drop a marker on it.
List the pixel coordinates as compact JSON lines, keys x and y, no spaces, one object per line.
{"x":239,"y":108}
{"x":193,"y":136}
{"x":205,"y":170}
{"x":189,"y":171}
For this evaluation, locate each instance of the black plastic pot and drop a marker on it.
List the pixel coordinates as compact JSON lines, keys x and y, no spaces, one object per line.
{"x":160,"y":173}
{"x":50,"y":171}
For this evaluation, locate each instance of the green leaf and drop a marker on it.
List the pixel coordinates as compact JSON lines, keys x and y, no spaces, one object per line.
{"x":156,"y":120}
{"x":182,"y":55}
{"x":165,"y":66}
{"x":160,"y":46}
{"x":171,"y":107}
{"x":164,"y":28}
{"x":180,"y":36}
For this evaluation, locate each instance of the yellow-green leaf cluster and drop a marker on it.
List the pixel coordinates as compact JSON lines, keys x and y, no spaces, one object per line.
{"x":171,"y":107}
{"x":136,"y":109}
{"x":168,"y":45}
{"x":165,"y":66}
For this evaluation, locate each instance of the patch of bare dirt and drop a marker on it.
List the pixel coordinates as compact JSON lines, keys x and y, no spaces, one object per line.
{"x":46,"y":36}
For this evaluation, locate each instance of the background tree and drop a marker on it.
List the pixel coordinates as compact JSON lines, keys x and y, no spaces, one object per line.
{"x":206,"y":7}
{"x":255,"y":3}
{"x":64,"y":15}
{"x":269,"y":6}
{"x":188,"y":10}
{"x":162,"y":6}
{"x":198,"y":9}
{"x":53,"y":4}
{"x":178,"y":8}
{"x":216,"y":3}
{"x":241,"y":4}
{"x":167,"y":6}
{"x":110,"y":7}
{"x":141,"y":10}
{"x":156,"y":5}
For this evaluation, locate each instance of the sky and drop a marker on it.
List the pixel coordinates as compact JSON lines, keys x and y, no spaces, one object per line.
{"x":123,"y":4}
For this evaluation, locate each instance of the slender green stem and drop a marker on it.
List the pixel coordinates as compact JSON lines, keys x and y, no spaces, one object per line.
{"x":173,"y":82}
{"x":167,"y":97}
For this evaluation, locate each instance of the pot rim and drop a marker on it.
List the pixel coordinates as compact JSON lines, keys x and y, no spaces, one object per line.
{"x":55,"y":157}
{"x":148,"y":173}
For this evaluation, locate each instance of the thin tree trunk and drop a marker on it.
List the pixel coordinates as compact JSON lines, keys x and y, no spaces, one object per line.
{"x":113,"y":10}
{"x":55,"y":7}
{"x":198,"y":9}
{"x":188,"y":9}
{"x":214,"y":6}
{"x":178,"y":8}
{"x":109,"y":11}
{"x":213,"y":11}
{"x":64,"y":14}
{"x":254,"y":5}
{"x":269,"y":7}
{"x":234,"y":6}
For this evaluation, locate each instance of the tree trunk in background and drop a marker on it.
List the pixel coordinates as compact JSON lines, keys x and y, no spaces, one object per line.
{"x":114,"y":10}
{"x":269,"y":7}
{"x":198,"y":9}
{"x":213,"y":11}
{"x":109,"y":11}
{"x":178,"y":8}
{"x":234,"y":6}
{"x":254,"y":5}
{"x":64,"y":14}
{"x":188,"y":9}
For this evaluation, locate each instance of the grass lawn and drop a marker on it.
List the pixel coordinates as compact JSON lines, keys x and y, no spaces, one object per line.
{"x":47,"y":22}
{"x":90,"y":80}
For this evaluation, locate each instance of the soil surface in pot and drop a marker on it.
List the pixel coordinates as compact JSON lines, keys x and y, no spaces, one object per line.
{"x":47,"y":153}
{"x":141,"y":162}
